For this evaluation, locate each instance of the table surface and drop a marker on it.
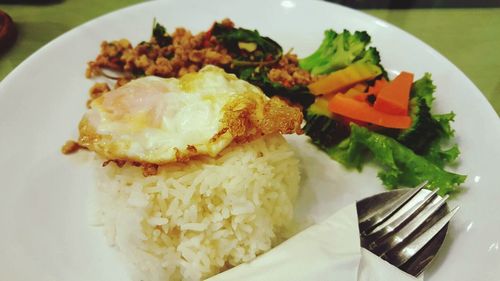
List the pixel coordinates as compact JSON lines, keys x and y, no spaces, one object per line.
{"x":468,"y":37}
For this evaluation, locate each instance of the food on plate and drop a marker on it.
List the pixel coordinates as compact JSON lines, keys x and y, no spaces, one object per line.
{"x":393,"y":97}
{"x":363,"y":111}
{"x":360,"y":113}
{"x":341,"y":83}
{"x":195,"y":219}
{"x":338,"y":51}
{"x":400,"y":165}
{"x":164,"y":55}
{"x":223,"y":45}
{"x":345,"y":78}
{"x":160,"y":120}
{"x":408,"y":146}
{"x":197,"y":177}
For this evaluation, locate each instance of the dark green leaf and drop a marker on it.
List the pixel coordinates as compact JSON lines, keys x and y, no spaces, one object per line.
{"x":324,"y":131}
{"x":258,"y":77}
{"x":160,"y":34}
{"x":267,"y":51}
{"x":427,"y":131}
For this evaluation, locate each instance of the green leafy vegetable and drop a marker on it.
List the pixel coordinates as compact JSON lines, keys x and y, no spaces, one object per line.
{"x":407,"y":157}
{"x":424,"y":129}
{"x":428,"y":131}
{"x":324,"y":131}
{"x":349,"y":153}
{"x":424,"y":89}
{"x":401,"y":167}
{"x":160,"y":34}
{"x":252,"y":55}
{"x":441,"y":157}
{"x":247,"y":47}
{"x":338,"y":51}
{"x":258,"y":77}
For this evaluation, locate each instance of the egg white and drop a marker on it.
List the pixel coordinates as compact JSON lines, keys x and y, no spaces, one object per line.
{"x":158,"y":120}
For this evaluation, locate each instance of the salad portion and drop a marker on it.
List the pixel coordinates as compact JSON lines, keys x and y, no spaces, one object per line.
{"x":353,"y":110}
{"x":358,"y":113}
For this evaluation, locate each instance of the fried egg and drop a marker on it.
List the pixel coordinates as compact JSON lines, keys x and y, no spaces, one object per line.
{"x":161,"y":120}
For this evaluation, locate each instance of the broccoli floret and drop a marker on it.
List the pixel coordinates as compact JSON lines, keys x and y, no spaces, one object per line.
{"x":336,"y":51}
{"x":370,"y":56}
{"x":322,"y":54}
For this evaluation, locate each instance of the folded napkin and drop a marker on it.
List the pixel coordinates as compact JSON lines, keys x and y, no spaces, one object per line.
{"x":329,"y":250}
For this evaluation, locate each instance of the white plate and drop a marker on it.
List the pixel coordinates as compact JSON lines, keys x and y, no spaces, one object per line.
{"x":43,"y":201}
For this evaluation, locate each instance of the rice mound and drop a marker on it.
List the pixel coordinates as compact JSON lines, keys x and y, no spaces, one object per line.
{"x":194,"y":220}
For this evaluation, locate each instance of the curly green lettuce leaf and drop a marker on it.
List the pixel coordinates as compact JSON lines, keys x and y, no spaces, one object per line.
{"x":350,"y":153}
{"x":424,"y":89}
{"x":400,"y":165}
{"x":440,"y":157}
{"x":444,"y":121}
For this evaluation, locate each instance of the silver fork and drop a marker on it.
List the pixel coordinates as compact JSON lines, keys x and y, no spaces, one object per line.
{"x":405,"y":227}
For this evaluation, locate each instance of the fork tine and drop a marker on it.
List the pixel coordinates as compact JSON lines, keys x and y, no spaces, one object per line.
{"x":419,"y":242}
{"x":381,"y":246}
{"x":401,"y":216}
{"x":369,"y":223}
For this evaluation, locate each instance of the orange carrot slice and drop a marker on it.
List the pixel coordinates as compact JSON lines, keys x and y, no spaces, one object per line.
{"x":361,"y":97}
{"x":394,"y":98}
{"x":353,"y":93}
{"x":362,"y":111}
{"x":377,"y":86}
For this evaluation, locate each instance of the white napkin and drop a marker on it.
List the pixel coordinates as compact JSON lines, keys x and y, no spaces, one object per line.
{"x":329,"y":250}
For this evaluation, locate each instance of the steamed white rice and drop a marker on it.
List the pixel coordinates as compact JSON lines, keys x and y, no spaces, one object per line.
{"x":194,"y":220}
